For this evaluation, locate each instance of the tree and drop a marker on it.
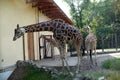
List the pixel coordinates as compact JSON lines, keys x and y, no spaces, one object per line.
{"x":102,"y":16}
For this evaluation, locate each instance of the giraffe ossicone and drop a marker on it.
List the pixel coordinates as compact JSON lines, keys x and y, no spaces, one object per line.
{"x":62,"y":32}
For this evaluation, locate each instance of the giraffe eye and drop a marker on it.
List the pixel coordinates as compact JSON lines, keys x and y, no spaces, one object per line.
{"x":17,"y":32}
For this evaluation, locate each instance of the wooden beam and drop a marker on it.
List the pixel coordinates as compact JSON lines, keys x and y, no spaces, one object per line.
{"x":50,"y":10}
{"x":31,"y":54}
{"x":31,"y":1}
{"x":40,"y":1}
{"x":55,"y":16}
{"x":42,"y":4}
{"x":47,"y":8}
{"x":54,"y":13}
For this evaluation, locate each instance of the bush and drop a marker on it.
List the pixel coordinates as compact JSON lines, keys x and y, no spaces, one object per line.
{"x":113,"y":76}
{"x":109,"y":75}
{"x":113,"y":64}
{"x":35,"y":74}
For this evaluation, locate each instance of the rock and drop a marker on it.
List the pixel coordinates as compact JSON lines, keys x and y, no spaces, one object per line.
{"x":76,"y":78}
{"x":17,"y":74}
{"x":101,"y":78}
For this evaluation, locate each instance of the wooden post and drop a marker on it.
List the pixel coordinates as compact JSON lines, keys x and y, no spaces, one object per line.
{"x":31,"y":54}
{"x":23,"y":47}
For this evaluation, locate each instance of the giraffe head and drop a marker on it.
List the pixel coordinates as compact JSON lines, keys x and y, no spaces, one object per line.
{"x":18,"y":32}
{"x":87,"y":28}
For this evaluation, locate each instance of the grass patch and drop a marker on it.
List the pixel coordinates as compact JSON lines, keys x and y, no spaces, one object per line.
{"x":36,"y":74}
{"x":96,"y":75}
{"x":112,"y":64}
{"x":93,"y":75}
{"x":112,"y":76}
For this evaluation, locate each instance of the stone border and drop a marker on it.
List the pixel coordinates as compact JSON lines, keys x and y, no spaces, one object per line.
{"x":7,"y":68}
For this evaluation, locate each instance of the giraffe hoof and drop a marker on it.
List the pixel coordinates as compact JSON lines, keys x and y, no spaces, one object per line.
{"x":71,"y":74}
{"x":96,"y":64}
{"x":77,"y":71}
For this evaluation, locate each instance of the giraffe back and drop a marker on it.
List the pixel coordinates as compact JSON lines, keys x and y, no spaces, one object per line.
{"x":90,"y":41}
{"x":65,"y":32}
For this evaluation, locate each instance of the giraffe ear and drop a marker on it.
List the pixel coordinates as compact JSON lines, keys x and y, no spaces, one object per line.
{"x":17,"y":26}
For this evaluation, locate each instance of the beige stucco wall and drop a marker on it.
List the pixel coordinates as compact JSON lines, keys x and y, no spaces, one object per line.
{"x":13,"y":12}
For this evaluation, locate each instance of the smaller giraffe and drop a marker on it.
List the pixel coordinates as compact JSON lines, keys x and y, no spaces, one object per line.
{"x":50,"y":40}
{"x":90,"y":43}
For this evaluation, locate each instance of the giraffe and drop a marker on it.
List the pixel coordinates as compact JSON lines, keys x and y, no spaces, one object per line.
{"x":50,"y":40}
{"x":90,"y":43}
{"x":62,"y":32}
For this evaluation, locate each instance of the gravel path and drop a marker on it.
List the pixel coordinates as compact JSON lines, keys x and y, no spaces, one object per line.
{"x":85,"y":63}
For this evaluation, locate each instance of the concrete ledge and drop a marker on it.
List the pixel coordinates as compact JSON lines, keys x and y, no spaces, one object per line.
{"x":7,"y":68}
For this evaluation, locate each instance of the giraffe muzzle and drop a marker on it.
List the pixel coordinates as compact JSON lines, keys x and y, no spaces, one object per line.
{"x":14,"y":38}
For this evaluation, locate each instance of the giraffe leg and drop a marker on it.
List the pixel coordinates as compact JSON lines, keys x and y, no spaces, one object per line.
{"x":79,"y":57}
{"x":88,"y":55}
{"x":95,"y":56}
{"x":61,"y":47}
{"x":63,"y":57}
{"x":88,"y":58}
{"x":91,"y":59}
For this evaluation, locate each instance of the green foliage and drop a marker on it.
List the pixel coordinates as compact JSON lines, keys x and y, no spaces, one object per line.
{"x":109,"y":75}
{"x":116,"y":27}
{"x":104,"y":31}
{"x":103,"y":17}
{"x":35,"y":74}
{"x":106,"y":64}
{"x":113,"y":76}
{"x":96,"y":74}
{"x":113,"y":64}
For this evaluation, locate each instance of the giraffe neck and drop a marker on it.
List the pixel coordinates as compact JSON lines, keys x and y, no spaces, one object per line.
{"x":43,"y":26}
{"x":90,"y":31}
{"x":52,"y":26}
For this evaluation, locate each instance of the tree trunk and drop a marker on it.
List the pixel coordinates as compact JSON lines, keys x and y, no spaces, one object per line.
{"x":116,"y":42}
{"x":112,"y":41}
{"x":102,"y":45}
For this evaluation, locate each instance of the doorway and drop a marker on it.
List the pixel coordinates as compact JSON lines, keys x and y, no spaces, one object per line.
{"x":46,"y":50}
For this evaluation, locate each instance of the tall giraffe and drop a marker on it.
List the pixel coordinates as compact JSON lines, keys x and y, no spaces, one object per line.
{"x":62,"y":32}
{"x":90,"y":43}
